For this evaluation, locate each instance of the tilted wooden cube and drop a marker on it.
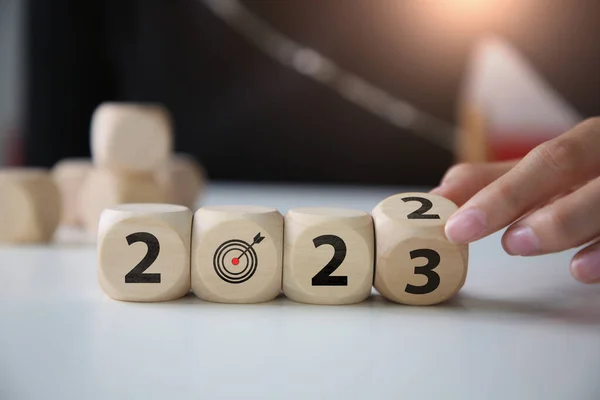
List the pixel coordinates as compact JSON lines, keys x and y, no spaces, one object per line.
{"x":131,"y":138}
{"x":144,"y":252}
{"x":415,"y":263}
{"x":328,"y":255}
{"x":30,"y":206}
{"x":237,"y":254}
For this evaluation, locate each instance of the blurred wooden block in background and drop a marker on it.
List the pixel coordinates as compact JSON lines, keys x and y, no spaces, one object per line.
{"x":415,"y":263}
{"x":472,"y":143}
{"x":102,"y":189}
{"x":237,"y":254}
{"x":328,"y":255}
{"x":30,"y":207}
{"x":69,"y":175}
{"x":130,"y":138}
{"x":144,"y":252}
{"x":183,"y":179}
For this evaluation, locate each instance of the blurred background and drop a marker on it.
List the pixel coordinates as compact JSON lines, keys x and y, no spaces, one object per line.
{"x":336,"y":91}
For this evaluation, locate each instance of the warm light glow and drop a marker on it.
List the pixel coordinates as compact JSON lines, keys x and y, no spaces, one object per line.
{"x":460,"y":17}
{"x":467,"y":15}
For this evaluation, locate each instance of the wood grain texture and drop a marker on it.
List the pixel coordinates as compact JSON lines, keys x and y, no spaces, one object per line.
{"x":405,"y":246}
{"x":129,"y":233}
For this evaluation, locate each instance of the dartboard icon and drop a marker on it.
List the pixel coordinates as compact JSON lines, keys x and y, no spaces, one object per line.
{"x":235,"y":261}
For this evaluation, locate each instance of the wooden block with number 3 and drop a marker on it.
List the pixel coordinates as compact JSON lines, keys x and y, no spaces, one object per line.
{"x":237,"y":254}
{"x":415,"y":263}
{"x":328,"y":255}
{"x":144,"y":252}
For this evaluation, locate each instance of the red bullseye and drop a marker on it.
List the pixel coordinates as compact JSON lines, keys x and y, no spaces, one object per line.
{"x":235,"y":261}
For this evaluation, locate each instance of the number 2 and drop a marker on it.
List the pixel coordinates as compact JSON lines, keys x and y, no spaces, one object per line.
{"x":426,"y":205}
{"x":137,"y":275}
{"x":323,"y":277}
{"x":433,"y":279}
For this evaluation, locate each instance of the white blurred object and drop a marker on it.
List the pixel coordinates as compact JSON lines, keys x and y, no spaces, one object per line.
{"x":512,"y":95}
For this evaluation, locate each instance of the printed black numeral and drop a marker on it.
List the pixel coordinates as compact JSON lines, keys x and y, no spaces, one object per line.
{"x":433,"y":279}
{"x":426,"y":205}
{"x":137,"y":275}
{"x":324,"y":278}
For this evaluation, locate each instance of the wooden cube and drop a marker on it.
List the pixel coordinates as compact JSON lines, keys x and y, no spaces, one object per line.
{"x":415,"y":263}
{"x":30,"y":206}
{"x":131,"y":138}
{"x":69,"y":175}
{"x":144,"y":252}
{"x":237,"y":254}
{"x":328,"y":255}
{"x":102,"y":189}
{"x":183,"y":180}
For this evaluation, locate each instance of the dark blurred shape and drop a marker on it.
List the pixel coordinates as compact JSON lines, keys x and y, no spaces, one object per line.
{"x":247,"y":117}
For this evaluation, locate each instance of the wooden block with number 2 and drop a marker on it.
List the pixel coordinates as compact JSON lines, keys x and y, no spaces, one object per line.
{"x":328,"y":255}
{"x":415,"y":263}
{"x":144,"y":252}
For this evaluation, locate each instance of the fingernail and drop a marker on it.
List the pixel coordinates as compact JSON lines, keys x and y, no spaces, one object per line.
{"x":586,"y":267}
{"x":521,"y":241}
{"x":466,"y":226}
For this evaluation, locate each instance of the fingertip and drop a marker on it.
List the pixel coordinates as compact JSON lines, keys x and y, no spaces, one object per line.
{"x":521,"y":240}
{"x":450,"y":193}
{"x":585,"y":266}
{"x":466,"y":226}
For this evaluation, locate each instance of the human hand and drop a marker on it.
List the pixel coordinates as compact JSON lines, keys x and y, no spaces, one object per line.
{"x":550,"y":199}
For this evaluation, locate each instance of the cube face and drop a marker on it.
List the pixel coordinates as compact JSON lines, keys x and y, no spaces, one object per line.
{"x":237,"y":256}
{"x":131,"y":138}
{"x":328,"y":256}
{"x":421,"y":272}
{"x":182,"y":179}
{"x":144,"y":252}
{"x":69,"y":176}
{"x":415,"y":263}
{"x":102,"y":189}
{"x":17,"y":214}
{"x":30,"y":206}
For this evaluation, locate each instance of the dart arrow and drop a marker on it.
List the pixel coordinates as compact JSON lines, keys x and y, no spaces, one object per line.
{"x":257,"y":240}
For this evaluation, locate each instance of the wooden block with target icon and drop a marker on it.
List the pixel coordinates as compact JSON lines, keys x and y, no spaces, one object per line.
{"x":237,"y":254}
{"x":415,"y":263}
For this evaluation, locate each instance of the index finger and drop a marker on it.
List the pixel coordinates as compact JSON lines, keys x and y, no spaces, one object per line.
{"x":549,"y":169}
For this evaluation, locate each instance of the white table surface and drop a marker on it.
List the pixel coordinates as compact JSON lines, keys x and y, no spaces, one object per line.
{"x":521,"y":328}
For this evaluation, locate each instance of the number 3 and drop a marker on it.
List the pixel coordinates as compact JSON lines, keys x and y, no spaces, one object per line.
{"x":433,"y":279}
